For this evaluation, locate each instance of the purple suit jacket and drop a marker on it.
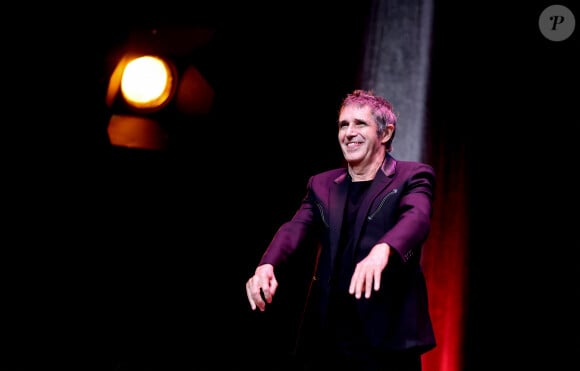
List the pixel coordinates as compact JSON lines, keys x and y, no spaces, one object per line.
{"x":397,"y":210}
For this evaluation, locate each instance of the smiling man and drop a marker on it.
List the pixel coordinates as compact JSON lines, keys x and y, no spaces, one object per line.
{"x":367,"y":305}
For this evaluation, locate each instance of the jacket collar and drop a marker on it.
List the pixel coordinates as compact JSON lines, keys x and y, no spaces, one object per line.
{"x":387,"y":168}
{"x":389,"y":165}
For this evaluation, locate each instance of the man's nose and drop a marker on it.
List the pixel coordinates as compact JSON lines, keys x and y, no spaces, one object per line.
{"x":351,"y":130}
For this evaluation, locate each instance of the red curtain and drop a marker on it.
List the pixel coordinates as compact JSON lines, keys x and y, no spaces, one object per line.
{"x":445,"y":260}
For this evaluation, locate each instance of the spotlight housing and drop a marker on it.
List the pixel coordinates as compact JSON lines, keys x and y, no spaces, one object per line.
{"x":155,"y":88}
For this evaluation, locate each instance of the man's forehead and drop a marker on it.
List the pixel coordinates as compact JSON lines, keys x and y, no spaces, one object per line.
{"x":354,"y":111}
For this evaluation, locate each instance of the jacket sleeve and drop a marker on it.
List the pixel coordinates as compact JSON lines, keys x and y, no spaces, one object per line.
{"x":292,"y":233}
{"x":414,"y":213}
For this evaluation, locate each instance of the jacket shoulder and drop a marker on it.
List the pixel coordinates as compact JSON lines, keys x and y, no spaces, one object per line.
{"x":414,"y":166}
{"x":330,"y":175}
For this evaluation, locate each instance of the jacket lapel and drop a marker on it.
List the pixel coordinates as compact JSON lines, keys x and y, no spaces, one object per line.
{"x":337,"y":202}
{"x":379,"y":183}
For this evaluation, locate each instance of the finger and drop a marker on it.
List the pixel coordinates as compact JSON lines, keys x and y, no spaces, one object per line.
{"x":255,"y":291}
{"x":368,"y":284}
{"x":357,"y":283}
{"x":352,"y":286}
{"x":250,"y":296}
{"x":269,"y":291}
{"x":360,"y":287}
{"x":259,"y":297}
{"x":266,"y":295}
{"x":377,"y":280}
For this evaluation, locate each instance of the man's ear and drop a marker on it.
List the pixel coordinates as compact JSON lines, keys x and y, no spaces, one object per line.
{"x":387,"y":133}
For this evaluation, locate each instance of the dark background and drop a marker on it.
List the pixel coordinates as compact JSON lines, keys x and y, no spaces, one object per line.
{"x":128,"y":260}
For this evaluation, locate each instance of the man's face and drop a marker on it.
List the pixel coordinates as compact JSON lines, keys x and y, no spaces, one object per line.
{"x":358,"y":135}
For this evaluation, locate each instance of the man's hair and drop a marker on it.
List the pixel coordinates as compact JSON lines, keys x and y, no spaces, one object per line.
{"x":381,"y":109}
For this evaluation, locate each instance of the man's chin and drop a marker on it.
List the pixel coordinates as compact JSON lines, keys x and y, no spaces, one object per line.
{"x":352,"y":160}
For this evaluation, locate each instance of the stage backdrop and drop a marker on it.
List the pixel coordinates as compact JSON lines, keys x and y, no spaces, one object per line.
{"x":398,"y":65}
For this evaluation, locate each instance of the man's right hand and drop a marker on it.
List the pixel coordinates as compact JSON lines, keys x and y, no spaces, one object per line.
{"x":261,"y":287}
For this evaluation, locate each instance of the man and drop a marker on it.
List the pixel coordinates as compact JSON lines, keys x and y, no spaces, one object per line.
{"x":367,"y":306}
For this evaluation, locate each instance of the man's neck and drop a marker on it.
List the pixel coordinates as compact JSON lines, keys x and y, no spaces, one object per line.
{"x":363,"y":172}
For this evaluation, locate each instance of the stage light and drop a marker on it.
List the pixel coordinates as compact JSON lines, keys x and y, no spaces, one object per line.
{"x":155,"y":86}
{"x":147,"y":83}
